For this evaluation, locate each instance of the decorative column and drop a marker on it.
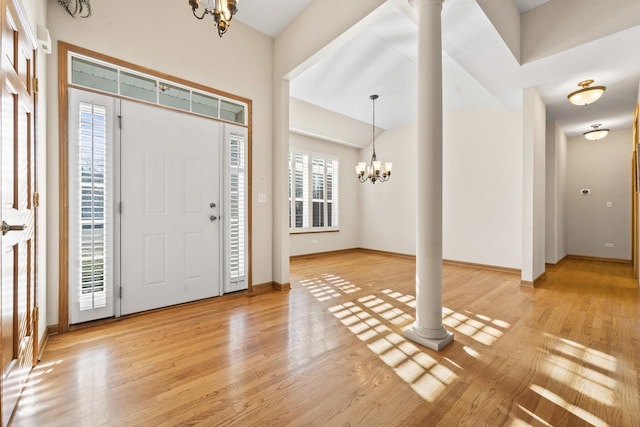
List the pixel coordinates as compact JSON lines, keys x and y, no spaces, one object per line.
{"x":427,"y":329}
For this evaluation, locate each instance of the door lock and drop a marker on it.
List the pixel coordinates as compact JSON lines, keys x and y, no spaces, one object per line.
{"x":212,"y":205}
{"x":7,"y":228}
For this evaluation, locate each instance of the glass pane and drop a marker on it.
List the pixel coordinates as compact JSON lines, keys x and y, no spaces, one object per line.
{"x":203,"y":104}
{"x":93,"y":205}
{"x":232,"y":112}
{"x":137,"y":87}
{"x":318,"y":214}
{"x":95,"y":76}
{"x":318,"y":178}
{"x":299,"y":214}
{"x":173,"y":96}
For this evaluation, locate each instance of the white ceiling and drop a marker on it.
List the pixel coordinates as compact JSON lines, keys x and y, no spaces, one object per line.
{"x":269,"y":17}
{"x":478,"y":69}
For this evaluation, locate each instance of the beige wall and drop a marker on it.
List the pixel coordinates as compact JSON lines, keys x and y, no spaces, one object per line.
{"x":559,"y":25}
{"x":347,"y":237}
{"x":482,"y":190}
{"x":388,"y":209}
{"x":603,"y":167}
{"x":316,"y":29}
{"x":169,"y":39}
{"x":556,"y":187}
{"x":534,"y":190}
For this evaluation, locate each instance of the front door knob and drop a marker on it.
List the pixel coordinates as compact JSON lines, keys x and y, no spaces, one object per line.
{"x":7,"y":228}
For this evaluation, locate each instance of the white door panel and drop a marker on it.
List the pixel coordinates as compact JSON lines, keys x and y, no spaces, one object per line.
{"x":170,"y":234}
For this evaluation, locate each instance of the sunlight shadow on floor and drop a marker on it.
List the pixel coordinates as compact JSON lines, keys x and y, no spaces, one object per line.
{"x":584,"y":370}
{"x":371,"y":318}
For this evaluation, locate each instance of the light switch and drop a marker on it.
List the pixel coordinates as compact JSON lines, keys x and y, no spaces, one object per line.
{"x":262,"y":198}
{"x":609,"y":204}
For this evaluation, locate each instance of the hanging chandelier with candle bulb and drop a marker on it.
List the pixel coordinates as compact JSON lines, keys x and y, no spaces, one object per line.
{"x":222,"y":12}
{"x":376,"y":170}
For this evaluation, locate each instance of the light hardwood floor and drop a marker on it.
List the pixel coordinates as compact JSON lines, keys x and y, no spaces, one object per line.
{"x":330,"y":352}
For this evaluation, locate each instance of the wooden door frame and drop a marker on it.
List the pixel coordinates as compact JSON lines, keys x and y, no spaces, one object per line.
{"x":64,"y":49}
{"x":635,"y":188}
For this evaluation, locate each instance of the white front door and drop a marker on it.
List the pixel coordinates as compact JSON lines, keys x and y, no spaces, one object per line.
{"x":170,"y":195}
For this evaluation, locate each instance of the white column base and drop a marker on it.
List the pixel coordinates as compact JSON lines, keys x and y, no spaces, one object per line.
{"x":433,"y":343}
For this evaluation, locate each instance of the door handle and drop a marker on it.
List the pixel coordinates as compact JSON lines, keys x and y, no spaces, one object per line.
{"x":7,"y":228}
{"x":213,"y":218}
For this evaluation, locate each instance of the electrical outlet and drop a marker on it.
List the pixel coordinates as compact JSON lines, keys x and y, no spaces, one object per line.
{"x":585,"y":191}
{"x":608,"y":245}
{"x":609,"y":204}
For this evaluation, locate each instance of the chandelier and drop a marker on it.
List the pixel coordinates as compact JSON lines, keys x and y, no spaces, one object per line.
{"x":221,"y":10}
{"x":587,"y":95}
{"x":376,"y":171}
{"x":82,"y":8}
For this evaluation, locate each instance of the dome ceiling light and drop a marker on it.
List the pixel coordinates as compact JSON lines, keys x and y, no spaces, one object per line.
{"x":596,"y":134}
{"x":587,"y":95}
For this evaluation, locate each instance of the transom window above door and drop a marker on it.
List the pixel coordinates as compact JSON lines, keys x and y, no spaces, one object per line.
{"x":114,"y":79}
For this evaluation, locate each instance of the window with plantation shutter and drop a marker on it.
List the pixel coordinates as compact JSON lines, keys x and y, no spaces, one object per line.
{"x":313,"y":192}
{"x":236,"y":210}
{"x":91,"y":210}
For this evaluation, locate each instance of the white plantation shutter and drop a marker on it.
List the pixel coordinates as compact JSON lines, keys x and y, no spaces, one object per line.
{"x":332,"y":193}
{"x":235,"y":219}
{"x":299,"y":190}
{"x":316,"y":209}
{"x":91,"y":210}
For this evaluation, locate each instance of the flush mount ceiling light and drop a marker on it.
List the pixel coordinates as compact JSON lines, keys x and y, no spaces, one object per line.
{"x":597,"y":133}
{"x":587,"y":95}
{"x":376,"y":171}
{"x":222,"y":12}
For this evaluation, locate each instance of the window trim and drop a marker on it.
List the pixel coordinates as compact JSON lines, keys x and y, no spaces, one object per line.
{"x":309,"y":176}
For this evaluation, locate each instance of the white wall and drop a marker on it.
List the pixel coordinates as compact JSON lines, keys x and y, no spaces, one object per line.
{"x":604,"y":167}
{"x":533,"y":180}
{"x":347,"y":237}
{"x":169,"y":39}
{"x":556,"y":184}
{"x":482,"y":190}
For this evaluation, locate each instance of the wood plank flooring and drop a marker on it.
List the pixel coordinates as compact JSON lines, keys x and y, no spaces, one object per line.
{"x":331,"y":352}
